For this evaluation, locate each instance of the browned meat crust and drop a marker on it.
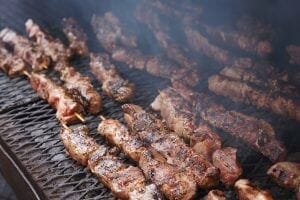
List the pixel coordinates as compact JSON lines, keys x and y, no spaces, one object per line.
{"x":286,"y":174}
{"x":248,"y":191}
{"x":151,"y":130}
{"x":30,"y":52}
{"x":240,"y":91}
{"x":76,"y":36}
{"x":80,"y":87}
{"x":111,"y":33}
{"x":255,"y":132}
{"x":294,"y":53}
{"x":57,"y":97}
{"x":125,"y":181}
{"x":155,"y":65}
{"x":112,"y":83}
{"x":215,"y":195}
{"x":52,"y":47}
{"x":173,"y":183}
{"x":12,"y":65}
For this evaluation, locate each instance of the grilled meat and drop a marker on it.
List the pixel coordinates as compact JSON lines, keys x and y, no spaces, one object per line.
{"x":112,"y":83}
{"x":66,"y":107}
{"x":257,"y":133}
{"x":52,"y":47}
{"x":181,"y":118}
{"x":215,"y":195}
{"x":155,"y":65}
{"x":12,"y":65}
{"x":76,"y":36}
{"x":25,"y":49}
{"x":151,"y":130}
{"x":286,"y":174}
{"x":111,"y":33}
{"x":80,"y":86}
{"x":248,"y":191}
{"x":173,"y":183}
{"x":226,"y":160}
{"x":125,"y":181}
{"x":294,"y":53}
{"x":239,"y":91}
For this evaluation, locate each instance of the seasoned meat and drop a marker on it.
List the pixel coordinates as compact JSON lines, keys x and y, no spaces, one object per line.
{"x":286,"y":174}
{"x":181,"y":118}
{"x":26,"y":50}
{"x":76,"y":36}
{"x":239,"y":91}
{"x":255,"y":132}
{"x":226,"y":160}
{"x":215,"y":195}
{"x":52,"y":47}
{"x":294,"y":53}
{"x":12,"y":65}
{"x":66,"y":107}
{"x":248,"y":191}
{"x":111,"y":33}
{"x":112,"y":83}
{"x":80,"y":86}
{"x":173,"y":183}
{"x":176,"y":152}
{"x":155,"y":65}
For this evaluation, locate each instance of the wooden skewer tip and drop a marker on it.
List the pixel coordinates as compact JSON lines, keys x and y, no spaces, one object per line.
{"x":66,"y":127}
{"x":102,"y":118}
{"x":26,"y":73}
{"x":81,"y":118}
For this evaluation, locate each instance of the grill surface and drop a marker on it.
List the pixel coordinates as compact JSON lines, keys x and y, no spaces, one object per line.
{"x":29,"y":129}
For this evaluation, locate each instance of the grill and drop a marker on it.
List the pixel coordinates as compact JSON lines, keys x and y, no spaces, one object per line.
{"x":33,"y":156}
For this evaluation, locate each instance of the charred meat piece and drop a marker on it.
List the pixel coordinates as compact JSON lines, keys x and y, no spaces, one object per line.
{"x":151,"y":130}
{"x":80,"y":87}
{"x":172,"y":183}
{"x":215,"y":195}
{"x":248,"y":191}
{"x":286,"y":174}
{"x":76,"y":36}
{"x":25,"y":49}
{"x":226,"y":160}
{"x":52,"y":47}
{"x":111,"y":33}
{"x":155,"y":65}
{"x":294,"y":53}
{"x":66,"y":107}
{"x":112,"y":83}
{"x":181,"y":118}
{"x":255,"y":132}
{"x":239,"y":91}
{"x":12,"y":65}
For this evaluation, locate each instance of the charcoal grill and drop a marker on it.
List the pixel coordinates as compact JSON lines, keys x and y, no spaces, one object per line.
{"x":32,"y":156}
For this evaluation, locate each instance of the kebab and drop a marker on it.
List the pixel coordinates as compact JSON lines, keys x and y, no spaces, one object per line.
{"x":125,"y":181}
{"x":151,"y":131}
{"x":255,"y":132}
{"x":181,"y":118}
{"x":173,"y":183}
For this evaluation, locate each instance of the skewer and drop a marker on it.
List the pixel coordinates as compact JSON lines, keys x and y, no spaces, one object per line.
{"x":66,"y":127}
{"x":102,"y":118}
{"x":26,"y":73}
{"x":79,"y":117}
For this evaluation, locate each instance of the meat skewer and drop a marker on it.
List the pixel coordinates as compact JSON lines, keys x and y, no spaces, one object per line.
{"x":112,"y":83}
{"x":111,"y":33}
{"x":286,"y":174}
{"x":248,"y":191}
{"x":26,"y":50}
{"x":181,"y":118}
{"x":11,"y":64}
{"x":239,"y":91}
{"x":256,"y":133}
{"x":125,"y":181}
{"x":173,"y":183}
{"x":155,"y":65}
{"x":52,"y":47}
{"x":151,"y":130}
{"x":215,"y":195}
{"x":76,"y":36}
{"x":67,"y":109}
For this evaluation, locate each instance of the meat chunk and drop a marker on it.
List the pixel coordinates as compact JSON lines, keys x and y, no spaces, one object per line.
{"x":215,"y":195}
{"x":113,"y":84}
{"x":248,"y":191}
